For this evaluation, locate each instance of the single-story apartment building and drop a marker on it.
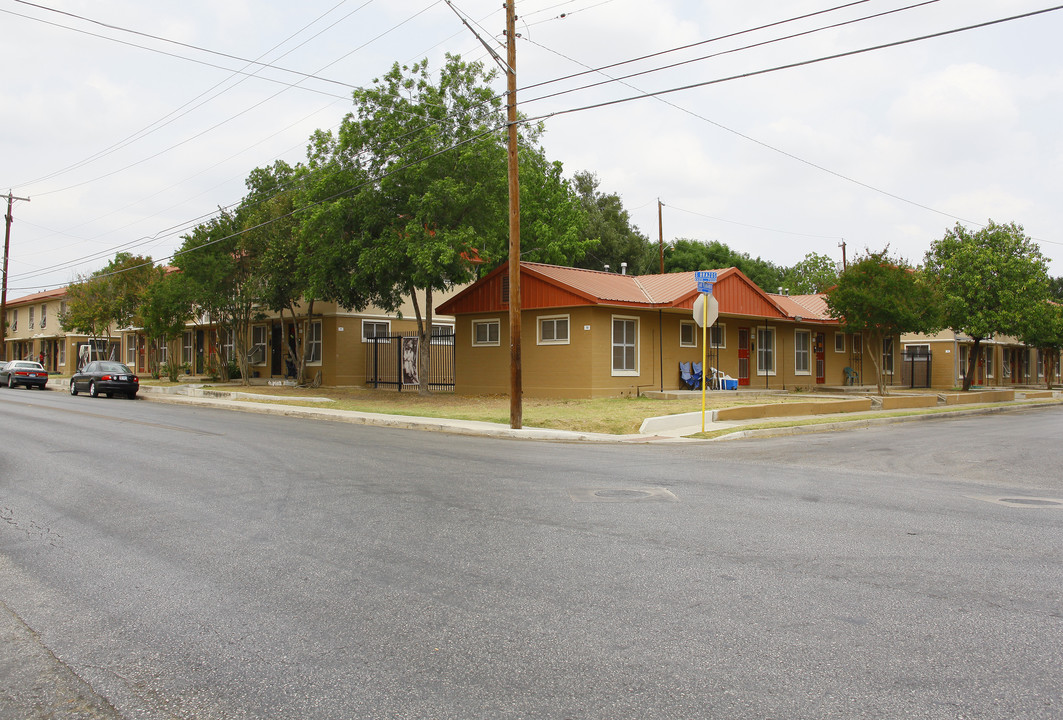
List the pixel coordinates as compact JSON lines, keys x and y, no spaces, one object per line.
{"x":586,"y":333}
{"x":1002,"y":361}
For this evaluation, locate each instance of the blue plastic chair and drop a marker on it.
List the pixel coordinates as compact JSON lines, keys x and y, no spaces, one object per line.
{"x":697,"y":374}
{"x":686,"y":376}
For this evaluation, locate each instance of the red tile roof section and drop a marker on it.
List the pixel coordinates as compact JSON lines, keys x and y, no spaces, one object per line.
{"x":38,"y":297}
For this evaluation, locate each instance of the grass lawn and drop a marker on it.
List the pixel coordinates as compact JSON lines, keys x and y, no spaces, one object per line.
{"x":615,"y":416}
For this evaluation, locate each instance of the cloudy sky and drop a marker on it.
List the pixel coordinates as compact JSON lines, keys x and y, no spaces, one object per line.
{"x":128,"y":122}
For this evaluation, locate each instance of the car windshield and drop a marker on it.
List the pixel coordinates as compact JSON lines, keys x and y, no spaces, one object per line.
{"x":114,"y":367}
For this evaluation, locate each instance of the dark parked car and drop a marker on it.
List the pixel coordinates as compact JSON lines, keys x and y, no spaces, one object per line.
{"x":23,"y":372}
{"x":107,"y":377}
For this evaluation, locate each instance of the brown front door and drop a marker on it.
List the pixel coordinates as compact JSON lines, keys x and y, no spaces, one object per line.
{"x":820,"y":344}
{"x":743,"y":356}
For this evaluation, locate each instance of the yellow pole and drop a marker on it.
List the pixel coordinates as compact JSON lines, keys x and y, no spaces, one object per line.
{"x":704,"y":345}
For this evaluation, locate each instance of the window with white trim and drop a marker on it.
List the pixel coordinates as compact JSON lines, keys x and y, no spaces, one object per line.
{"x":858,"y":344}
{"x":989,"y":361}
{"x":44,"y":316}
{"x":13,"y":320}
{"x":625,"y":346}
{"x":688,"y":334}
{"x":227,"y":346}
{"x":31,"y":317}
{"x":258,"y":345}
{"x":62,"y":353}
{"x":313,"y":345}
{"x":553,"y":330}
{"x":718,"y":336}
{"x":839,"y":342}
{"x":802,"y":352}
{"x":186,"y":347}
{"x":131,"y":350}
{"x":375,"y":328}
{"x":887,"y":355}
{"x":765,"y":351}
{"x":485,"y":332}
{"x":162,"y":352}
{"x":442,"y":334}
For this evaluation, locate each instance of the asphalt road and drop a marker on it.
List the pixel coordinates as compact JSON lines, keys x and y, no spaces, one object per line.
{"x":162,"y":561}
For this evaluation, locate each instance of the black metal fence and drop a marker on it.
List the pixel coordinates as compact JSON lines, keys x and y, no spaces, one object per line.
{"x":391,"y":361}
{"x":916,"y":367}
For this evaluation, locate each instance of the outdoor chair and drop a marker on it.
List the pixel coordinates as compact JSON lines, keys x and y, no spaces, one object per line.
{"x":852,"y":377}
{"x":696,"y":370}
{"x":686,"y":376}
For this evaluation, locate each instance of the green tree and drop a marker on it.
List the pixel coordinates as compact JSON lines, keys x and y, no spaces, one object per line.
{"x":426,"y":163}
{"x":166,"y":308}
{"x":816,"y":273}
{"x":109,"y":297}
{"x":608,"y":226}
{"x":883,"y":297}
{"x":991,"y":282}
{"x":683,"y":255}
{"x":220,"y":267}
{"x":1043,"y":329}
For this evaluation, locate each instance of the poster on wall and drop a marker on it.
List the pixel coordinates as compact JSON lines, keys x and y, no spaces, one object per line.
{"x":409,"y":361}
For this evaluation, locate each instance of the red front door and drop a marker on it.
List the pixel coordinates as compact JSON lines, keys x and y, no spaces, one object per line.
{"x":743,"y":356}
{"x":821,"y":358}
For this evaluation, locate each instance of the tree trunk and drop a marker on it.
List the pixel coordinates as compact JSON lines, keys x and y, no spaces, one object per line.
{"x":972,"y":364}
{"x":876,"y":360}
{"x":424,"y":338}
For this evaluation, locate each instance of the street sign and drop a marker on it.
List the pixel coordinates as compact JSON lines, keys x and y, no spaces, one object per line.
{"x":705,"y":287}
{"x":705,"y":276}
{"x":713,"y":309}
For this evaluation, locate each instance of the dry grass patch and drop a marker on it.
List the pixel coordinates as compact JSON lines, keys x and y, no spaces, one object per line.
{"x":614,"y":416}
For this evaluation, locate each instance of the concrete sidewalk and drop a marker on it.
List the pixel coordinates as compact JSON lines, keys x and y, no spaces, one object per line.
{"x":664,"y":429}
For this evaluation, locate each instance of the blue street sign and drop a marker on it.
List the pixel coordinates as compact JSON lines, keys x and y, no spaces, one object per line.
{"x":705,"y":287}
{"x":705,"y":276}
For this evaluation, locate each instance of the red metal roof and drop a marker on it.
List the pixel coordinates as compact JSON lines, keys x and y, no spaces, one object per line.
{"x":38,"y":297}
{"x":807,"y":307}
{"x":552,"y":286}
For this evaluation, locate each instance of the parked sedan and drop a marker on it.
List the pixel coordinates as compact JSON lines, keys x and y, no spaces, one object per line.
{"x":23,"y":372}
{"x":107,"y":377}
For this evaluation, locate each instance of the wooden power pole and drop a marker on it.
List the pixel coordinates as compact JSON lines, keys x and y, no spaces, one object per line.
{"x":660,"y":231}
{"x":8,"y":219}
{"x":516,"y":412}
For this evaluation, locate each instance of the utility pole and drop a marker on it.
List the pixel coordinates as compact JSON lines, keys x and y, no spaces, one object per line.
{"x":660,"y":231}
{"x":845,"y":265}
{"x":8,"y":219}
{"x":516,"y":413}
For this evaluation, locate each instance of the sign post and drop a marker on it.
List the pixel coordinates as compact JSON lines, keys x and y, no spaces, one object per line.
{"x":704,"y":316}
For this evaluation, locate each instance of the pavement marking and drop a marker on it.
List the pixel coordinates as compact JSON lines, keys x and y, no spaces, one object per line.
{"x":1015,"y":501}
{"x":622,"y":495}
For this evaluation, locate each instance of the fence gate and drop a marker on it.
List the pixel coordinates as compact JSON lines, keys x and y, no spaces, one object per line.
{"x":916,"y":363}
{"x":391,"y":361}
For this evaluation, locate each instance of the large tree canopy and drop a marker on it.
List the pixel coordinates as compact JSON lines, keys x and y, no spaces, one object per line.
{"x":684,"y":255}
{"x":991,"y":281}
{"x":423,"y":163}
{"x":110,"y":296}
{"x":883,"y":297}
{"x":608,"y":226}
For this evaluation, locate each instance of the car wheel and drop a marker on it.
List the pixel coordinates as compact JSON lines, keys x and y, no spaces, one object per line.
{"x":93,"y":392}
{"x":132,"y":396}
{"x":73,"y":387}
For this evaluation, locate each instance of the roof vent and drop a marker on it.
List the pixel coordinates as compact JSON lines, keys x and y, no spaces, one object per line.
{"x":623,"y":268}
{"x":607,"y":268}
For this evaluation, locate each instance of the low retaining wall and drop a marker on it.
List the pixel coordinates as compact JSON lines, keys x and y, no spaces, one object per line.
{"x":823,"y":407}
{"x":1038,"y":395}
{"x":901,"y":402}
{"x":981,"y":396}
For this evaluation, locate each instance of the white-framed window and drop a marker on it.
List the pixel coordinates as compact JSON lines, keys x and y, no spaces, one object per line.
{"x":258,"y":344}
{"x":553,"y":330}
{"x":162,"y":352}
{"x":765,"y":351}
{"x":802,"y":352}
{"x":313,"y":345}
{"x":718,"y":336}
{"x":858,"y":344}
{"x":839,"y":342}
{"x":989,"y":361}
{"x":13,"y":320}
{"x":44,"y":316}
{"x":375,"y":328}
{"x":442,"y":334}
{"x":31,"y":317}
{"x":131,"y":350}
{"x":625,"y":345}
{"x":887,"y":355}
{"x":186,"y":347}
{"x":688,"y":333}
{"x":485,"y":332}
{"x":1040,"y":363}
{"x":1005,"y":363}
{"x":62,"y":353}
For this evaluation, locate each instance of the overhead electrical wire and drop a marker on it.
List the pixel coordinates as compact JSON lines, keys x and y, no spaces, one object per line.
{"x":775,"y":69}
